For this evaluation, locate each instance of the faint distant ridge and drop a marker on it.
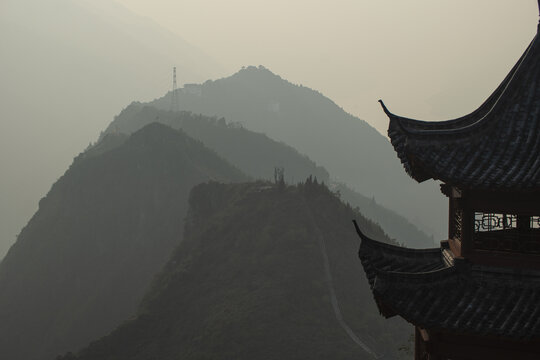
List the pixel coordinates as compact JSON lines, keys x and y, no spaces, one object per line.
{"x":257,"y":155}
{"x":107,"y":226}
{"x":348,"y":147}
{"x":74,"y":63}
{"x":249,"y":282}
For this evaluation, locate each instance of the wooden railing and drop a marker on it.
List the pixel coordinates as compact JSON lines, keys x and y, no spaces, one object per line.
{"x":508,"y":240}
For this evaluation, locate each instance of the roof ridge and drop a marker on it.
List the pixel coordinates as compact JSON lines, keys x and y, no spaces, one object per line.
{"x":497,"y":95}
{"x":367,"y":241}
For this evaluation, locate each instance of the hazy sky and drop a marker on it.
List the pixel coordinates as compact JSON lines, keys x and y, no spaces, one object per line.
{"x":68,"y":66}
{"x":432,"y":59}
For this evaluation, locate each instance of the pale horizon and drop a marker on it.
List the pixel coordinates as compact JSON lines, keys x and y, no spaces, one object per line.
{"x":440,"y":66}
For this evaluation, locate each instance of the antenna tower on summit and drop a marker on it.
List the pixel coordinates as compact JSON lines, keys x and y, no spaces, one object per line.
{"x":174,"y":95}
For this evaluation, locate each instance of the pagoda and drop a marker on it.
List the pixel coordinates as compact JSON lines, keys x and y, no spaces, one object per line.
{"x":478,"y":295}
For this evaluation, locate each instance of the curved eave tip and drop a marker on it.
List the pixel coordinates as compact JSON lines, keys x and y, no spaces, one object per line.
{"x":385,"y":109}
{"x":359,"y":232}
{"x":394,"y":118}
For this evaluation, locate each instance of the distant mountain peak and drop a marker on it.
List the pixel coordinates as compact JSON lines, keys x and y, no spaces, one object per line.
{"x":157,"y":131}
{"x":348,"y":147}
{"x":256,"y":73}
{"x":256,"y":69}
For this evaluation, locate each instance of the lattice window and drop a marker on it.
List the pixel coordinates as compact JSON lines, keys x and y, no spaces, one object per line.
{"x":491,"y":222}
{"x":501,"y":232}
{"x":535,"y":222}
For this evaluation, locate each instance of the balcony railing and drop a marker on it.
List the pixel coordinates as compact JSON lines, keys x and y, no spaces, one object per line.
{"x":500,"y":232}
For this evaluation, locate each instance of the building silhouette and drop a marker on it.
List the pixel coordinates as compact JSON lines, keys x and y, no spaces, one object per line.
{"x":478,"y":295}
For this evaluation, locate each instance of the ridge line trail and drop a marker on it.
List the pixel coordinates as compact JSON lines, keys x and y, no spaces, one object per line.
{"x":331,"y":290}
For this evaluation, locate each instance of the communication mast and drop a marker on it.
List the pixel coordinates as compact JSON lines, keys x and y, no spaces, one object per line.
{"x":174,"y":94}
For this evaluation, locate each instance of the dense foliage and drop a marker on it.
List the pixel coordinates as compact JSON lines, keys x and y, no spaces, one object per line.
{"x":105,"y":228}
{"x":248,"y":282}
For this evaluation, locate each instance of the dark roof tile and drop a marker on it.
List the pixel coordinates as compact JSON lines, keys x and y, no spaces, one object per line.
{"x":426,"y":290}
{"x":496,"y":147}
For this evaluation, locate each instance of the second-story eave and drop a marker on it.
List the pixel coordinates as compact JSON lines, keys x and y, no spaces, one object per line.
{"x":425,"y":289}
{"x":378,"y":257}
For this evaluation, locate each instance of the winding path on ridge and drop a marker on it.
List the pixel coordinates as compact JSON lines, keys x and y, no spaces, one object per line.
{"x":333,"y":297}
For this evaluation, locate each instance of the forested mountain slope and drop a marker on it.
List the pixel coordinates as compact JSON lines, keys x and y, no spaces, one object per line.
{"x":257,"y":155}
{"x":249,"y":281}
{"x":106,"y":227}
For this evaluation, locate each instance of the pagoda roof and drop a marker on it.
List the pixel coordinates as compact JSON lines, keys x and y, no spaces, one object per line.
{"x":433,"y":291}
{"x":496,"y":147}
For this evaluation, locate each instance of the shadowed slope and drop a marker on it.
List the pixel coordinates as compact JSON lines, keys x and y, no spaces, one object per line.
{"x":106,"y":227}
{"x":249,"y":282}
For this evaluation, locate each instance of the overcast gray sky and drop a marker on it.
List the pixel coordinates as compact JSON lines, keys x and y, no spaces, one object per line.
{"x":431,"y":59}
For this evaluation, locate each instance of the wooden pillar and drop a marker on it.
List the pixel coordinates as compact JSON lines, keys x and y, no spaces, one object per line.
{"x":418,"y":345}
{"x":523,"y":223}
{"x":467,"y":231}
{"x":451,"y":216}
{"x":421,"y":345}
{"x":455,"y":218}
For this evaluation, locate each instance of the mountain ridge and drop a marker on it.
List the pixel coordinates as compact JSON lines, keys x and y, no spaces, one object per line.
{"x":257,"y":155}
{"x":64,"y":76}
{"x":248,"y":282}
{"x":106,"y":227}
{"x":348,"y":147}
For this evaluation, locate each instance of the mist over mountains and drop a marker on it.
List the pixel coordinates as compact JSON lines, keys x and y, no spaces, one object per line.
{"x":80,"y":267}
{"x":105,"y":228}
{"x":247,"y":266}
{"x":257,"y":155}
{"x":67,"y":67}
{"x":254,"y":153}
{"x":111,"y":222}
{"x":214,"y":221}
{"x":348,"y":147}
